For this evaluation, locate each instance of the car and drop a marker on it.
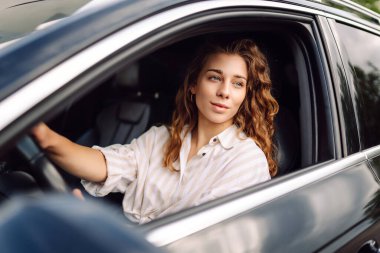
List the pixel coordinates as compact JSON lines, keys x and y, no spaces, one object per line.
{"x":106,"y":74}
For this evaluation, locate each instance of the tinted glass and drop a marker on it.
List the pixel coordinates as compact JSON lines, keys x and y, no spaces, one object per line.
{"x":363,"y":51}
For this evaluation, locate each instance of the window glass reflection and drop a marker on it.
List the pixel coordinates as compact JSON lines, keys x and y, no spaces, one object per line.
{"x":362,"y":49}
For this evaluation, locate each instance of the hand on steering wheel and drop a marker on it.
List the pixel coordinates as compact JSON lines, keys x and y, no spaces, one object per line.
{"x":44,"y":171}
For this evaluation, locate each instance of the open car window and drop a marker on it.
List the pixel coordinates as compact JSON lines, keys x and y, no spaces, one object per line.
{"x":119,"y":99}
{"x":148,"y":86}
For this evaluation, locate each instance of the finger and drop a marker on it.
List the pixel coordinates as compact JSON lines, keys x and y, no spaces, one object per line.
{"x":78,"y":194}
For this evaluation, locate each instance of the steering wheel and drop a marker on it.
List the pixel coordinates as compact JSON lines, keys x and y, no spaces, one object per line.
{"x":44,"y":171}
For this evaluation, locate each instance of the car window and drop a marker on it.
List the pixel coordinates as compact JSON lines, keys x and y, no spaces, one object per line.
{"x":129,"y":96}
{"x":364,"y":66}
{"x":303,"y":127}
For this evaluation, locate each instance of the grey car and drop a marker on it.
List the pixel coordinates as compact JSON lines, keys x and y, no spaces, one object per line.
{"x":106,"y":73}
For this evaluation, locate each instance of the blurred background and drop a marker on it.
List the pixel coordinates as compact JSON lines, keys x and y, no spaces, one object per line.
{"x":370,"y":4}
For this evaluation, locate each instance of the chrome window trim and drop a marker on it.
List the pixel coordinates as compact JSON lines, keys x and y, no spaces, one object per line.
{"x":357,"y":7}
{"x":176,"y":230}
{"x":372,"y":152}
{"x":355,"y":23}
{"x":360,"y":8}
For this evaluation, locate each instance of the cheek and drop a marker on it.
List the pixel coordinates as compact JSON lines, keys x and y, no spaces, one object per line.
{"x":204,"y":90}
{"x":240,"y":99}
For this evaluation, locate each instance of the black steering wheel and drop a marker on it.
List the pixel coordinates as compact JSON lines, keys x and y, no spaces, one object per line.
{"x":43,"y":170}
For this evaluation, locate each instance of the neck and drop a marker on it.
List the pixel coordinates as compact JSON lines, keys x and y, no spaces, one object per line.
{"x":205,"y":131}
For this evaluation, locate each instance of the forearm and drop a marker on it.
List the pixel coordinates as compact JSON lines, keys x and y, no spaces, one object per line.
{"x":80,"y":161}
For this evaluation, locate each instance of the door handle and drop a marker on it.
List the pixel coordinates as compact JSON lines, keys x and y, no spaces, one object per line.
{"x":370,"y":246}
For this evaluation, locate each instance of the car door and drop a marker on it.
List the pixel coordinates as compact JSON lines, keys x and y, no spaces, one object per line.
{"x":361,"y":64}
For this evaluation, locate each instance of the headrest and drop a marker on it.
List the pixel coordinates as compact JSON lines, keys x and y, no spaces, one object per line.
{"x":128,"y":77}
{"x":131,"y":111}
{"x":287,"y":140}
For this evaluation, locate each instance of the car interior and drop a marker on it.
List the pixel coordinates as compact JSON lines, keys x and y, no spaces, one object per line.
{"x":139,"y":94}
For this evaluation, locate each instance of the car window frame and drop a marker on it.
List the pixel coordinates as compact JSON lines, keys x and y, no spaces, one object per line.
{"x":351,"y":76}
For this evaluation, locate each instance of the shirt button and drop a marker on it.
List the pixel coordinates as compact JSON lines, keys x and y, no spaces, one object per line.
{"x":203,"y":154}
{"x":214,"y":140}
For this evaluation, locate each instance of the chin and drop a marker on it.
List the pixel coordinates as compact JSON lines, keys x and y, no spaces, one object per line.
{"x":219,"y":120}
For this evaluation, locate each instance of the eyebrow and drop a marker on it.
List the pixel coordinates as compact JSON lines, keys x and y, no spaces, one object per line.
{"x":221,"y":72}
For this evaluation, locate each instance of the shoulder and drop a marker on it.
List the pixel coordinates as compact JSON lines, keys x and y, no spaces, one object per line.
{"x":249,"y":155}
{"x":247,"y":144}
{"x":154,"y":136}
{"x":247,"y":150}
{"x":248,"y":160}
{"x":157,"y":131}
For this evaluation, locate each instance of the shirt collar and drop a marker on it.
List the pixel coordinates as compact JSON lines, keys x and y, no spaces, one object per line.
{"x":229,"y":137}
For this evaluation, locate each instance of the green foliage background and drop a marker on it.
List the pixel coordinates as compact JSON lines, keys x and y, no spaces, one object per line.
{"x":370,"y":4}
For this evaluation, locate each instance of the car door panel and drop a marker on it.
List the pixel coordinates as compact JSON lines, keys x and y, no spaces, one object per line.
{"x":304,"y":220}
{"x":367,"y":232}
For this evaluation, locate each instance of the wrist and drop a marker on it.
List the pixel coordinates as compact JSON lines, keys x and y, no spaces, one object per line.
{"x":42,"y":135}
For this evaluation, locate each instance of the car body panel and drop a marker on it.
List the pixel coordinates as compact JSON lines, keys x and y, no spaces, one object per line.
{"x":298,"y":200}
{"x":368,"y":230}
{"x":295,"y":221}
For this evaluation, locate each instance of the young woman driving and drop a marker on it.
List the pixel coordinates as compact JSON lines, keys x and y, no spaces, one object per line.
{"x":219,"y":140}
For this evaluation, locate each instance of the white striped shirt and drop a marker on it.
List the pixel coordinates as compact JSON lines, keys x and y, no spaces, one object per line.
{"x":228,"y":163}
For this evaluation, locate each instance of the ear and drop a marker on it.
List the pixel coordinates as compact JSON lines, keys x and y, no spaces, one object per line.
{"x":193,"y":89}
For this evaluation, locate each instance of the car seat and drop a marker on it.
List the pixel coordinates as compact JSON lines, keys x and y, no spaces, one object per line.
{"x":125,"y":116}
{"x":286,"y":139}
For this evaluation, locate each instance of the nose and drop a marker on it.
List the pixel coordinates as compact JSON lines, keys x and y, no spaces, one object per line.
{"x":223,"y":90}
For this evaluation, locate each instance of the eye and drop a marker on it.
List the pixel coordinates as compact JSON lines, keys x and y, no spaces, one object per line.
{"x":214,"y":78}
{"x":238,"y":84}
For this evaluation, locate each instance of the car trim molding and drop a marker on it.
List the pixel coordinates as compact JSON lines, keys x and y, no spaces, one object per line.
{"x":171,"y":232}
{"x":372,"y":152}
{"x":356,"y":7}
{"x":355,"y":23}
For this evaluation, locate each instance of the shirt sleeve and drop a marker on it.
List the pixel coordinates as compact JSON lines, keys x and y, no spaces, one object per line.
{"x":123,"y":163}
{"x":246,"y":169}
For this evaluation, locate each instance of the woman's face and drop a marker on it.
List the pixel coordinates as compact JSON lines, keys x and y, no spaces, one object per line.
{"x":220,"y":88}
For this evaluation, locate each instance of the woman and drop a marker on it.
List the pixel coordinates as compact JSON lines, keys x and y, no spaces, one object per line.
{"x":219,"y":141}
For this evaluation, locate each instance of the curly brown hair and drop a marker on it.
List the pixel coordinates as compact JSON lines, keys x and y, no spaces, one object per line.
{"x":256,"y":114}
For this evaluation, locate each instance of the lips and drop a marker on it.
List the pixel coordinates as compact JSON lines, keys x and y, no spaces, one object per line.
{"x":223,"y":106}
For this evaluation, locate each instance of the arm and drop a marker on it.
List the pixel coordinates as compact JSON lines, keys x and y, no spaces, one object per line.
{"x":80,"y":161}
